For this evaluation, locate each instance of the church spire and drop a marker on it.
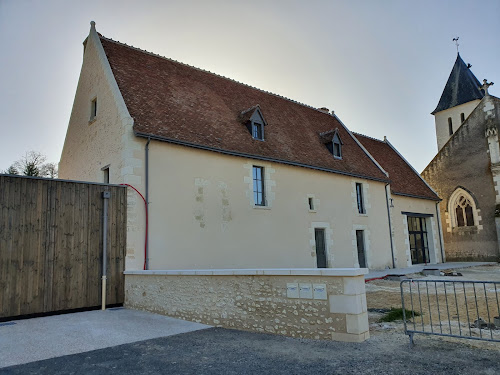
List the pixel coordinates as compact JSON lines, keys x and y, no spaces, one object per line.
{"x":462,"y":87}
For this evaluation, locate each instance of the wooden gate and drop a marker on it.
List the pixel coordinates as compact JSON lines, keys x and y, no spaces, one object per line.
{"x":51,"y":245}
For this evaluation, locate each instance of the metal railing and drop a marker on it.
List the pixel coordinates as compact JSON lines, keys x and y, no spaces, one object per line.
{"x":463,"y":309}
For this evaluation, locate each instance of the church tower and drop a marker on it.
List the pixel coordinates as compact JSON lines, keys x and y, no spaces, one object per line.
{"x":459,"y":98}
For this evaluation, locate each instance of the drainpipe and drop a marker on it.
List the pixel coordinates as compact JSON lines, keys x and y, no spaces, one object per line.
{"x":440,"y":233}
{"x":146,"y":255}
{"x":105,"y":196}
{"x":390,"y":224}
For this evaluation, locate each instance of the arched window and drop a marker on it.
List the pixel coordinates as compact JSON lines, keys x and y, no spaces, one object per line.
{"x":462,"y":208}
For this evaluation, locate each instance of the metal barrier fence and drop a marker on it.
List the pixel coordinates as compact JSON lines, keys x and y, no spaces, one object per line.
{"x":463,"y":309}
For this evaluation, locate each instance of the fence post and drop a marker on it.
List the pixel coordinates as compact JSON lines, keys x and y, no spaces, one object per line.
{"x":105,"y":196}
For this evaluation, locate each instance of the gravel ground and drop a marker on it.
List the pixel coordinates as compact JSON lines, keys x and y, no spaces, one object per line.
{"x":221,"y":351}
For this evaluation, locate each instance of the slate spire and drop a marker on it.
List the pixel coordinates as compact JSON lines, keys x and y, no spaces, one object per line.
{"x":462,"y":87}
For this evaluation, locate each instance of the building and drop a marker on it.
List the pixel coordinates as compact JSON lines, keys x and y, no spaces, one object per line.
{"x":465,"y":171}
{"x":237,"y":177}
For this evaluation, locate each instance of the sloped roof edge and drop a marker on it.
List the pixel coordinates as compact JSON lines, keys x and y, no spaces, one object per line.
{"x":461,"y":87}
{"x":256,"y":157}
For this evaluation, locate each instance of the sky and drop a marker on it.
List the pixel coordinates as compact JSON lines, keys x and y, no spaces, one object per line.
{"x":381,"y":65}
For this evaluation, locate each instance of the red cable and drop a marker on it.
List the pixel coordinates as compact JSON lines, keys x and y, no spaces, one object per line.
{"x":146,"y":236}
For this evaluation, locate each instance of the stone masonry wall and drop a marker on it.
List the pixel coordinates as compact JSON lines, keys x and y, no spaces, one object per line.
{"x":306,"y":306}
{"x":465,"y":162}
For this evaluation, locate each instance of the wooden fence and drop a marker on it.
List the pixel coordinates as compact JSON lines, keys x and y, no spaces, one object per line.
{"x":51,"y":245}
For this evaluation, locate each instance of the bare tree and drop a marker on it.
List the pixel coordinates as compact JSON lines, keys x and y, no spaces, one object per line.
{"x":49,"y":170}
{"x":33,"y":164}
{"x":30,"y":164}
{"x":11,"y":170}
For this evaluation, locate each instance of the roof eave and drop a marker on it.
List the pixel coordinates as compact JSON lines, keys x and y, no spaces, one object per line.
{"x":256,"y":157}
{"x":416,"y":196}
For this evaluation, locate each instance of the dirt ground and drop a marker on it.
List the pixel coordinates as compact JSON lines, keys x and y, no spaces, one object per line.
{"x":440,"y":310}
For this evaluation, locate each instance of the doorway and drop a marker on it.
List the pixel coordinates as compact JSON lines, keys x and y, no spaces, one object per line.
{"x":419,"y":247}
{"x":360,"y":243}
{"x":319,"y":236}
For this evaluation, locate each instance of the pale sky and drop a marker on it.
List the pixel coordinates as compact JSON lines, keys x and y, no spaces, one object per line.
{"x":381,"y":65}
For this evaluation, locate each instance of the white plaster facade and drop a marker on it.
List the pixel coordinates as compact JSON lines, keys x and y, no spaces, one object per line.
{"x":441,"y":120}
{"x":201,"y":209}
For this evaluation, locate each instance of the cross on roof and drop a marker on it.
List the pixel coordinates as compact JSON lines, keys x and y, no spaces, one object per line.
{"x":456,"y":41}
{"x":485,"y":86}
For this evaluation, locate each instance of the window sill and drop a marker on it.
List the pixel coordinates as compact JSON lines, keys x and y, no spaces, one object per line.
{"x":470,"y":229}
{"x":313,"y":211}
{"x":261,"y":207}
{"x":91,"y":121}
{"x":364,"y":215}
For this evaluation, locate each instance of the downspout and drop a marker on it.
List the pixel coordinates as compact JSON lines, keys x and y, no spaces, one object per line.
{"x":146,"y":254}
{"x":440,"y":233}
{"x":390,"y":225}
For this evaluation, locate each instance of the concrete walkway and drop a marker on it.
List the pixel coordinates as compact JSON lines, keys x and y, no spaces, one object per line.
{"x":24,"y":341}
{"x":375,"y":274}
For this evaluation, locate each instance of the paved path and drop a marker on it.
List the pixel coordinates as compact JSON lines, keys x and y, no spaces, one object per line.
{"x":54,"y":336}
{"x":221,"y":351}
{"x":375,"y":274}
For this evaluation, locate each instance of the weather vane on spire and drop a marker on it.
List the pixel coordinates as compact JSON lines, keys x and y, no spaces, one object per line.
{"x":456,"y":42}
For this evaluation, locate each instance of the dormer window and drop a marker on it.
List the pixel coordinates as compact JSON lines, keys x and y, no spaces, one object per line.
{"x":257,"y":131}
{"x":333,"y":143}
{"x":254,"y":121}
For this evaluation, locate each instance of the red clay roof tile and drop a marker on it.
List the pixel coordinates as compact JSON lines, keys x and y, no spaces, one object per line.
{"x":404,"y":180}
{"x":178,"y":102}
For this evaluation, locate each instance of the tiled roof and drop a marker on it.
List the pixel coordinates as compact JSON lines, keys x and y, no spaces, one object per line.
{"x":462,"y":87}
{"x":404,"y":179}
{"x":182,"y":104}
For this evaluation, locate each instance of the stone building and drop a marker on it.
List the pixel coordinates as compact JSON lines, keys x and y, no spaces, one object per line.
{"x":465,"y":171}
{"x":236,"y":177}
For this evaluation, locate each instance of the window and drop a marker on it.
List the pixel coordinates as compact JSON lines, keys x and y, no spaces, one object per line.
{"x":450,"y":126}
{"x":463,"y":211}
{"x":337,"y":150}
{"x":258,"y":186}
{"x":359,"y":197}
{"x":462,"y":117}
{"x":257,"y":131}
{"x":105,"y":172}
{"x":335,"y":145}
{"x":93,"y":109}
{"x":311,"y":204}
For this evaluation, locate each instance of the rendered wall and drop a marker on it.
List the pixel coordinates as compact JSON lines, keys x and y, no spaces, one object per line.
{"x":107,"y":140}
{"x":400,"y":228}
{"x":202,"y":214}
{"x":257,"y":300}
{"x":441,"y":120}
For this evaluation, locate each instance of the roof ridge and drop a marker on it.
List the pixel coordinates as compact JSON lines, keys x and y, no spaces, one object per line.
{"x":366,"y":136}
{"x":214,"y":74}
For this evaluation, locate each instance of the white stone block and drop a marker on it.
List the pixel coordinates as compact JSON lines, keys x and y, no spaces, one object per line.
{"x":357,"y":324}
{"x":354,"y":285}
{"x":346,"y":304}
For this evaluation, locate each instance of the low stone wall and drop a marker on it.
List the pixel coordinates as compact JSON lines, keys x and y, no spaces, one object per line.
{"x":308,"y":303}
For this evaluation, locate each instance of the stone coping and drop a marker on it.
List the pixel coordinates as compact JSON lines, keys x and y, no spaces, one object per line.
{"x":258,"y":272}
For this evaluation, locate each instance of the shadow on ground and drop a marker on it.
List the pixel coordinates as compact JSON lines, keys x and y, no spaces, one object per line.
{"x":222,"y":351}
